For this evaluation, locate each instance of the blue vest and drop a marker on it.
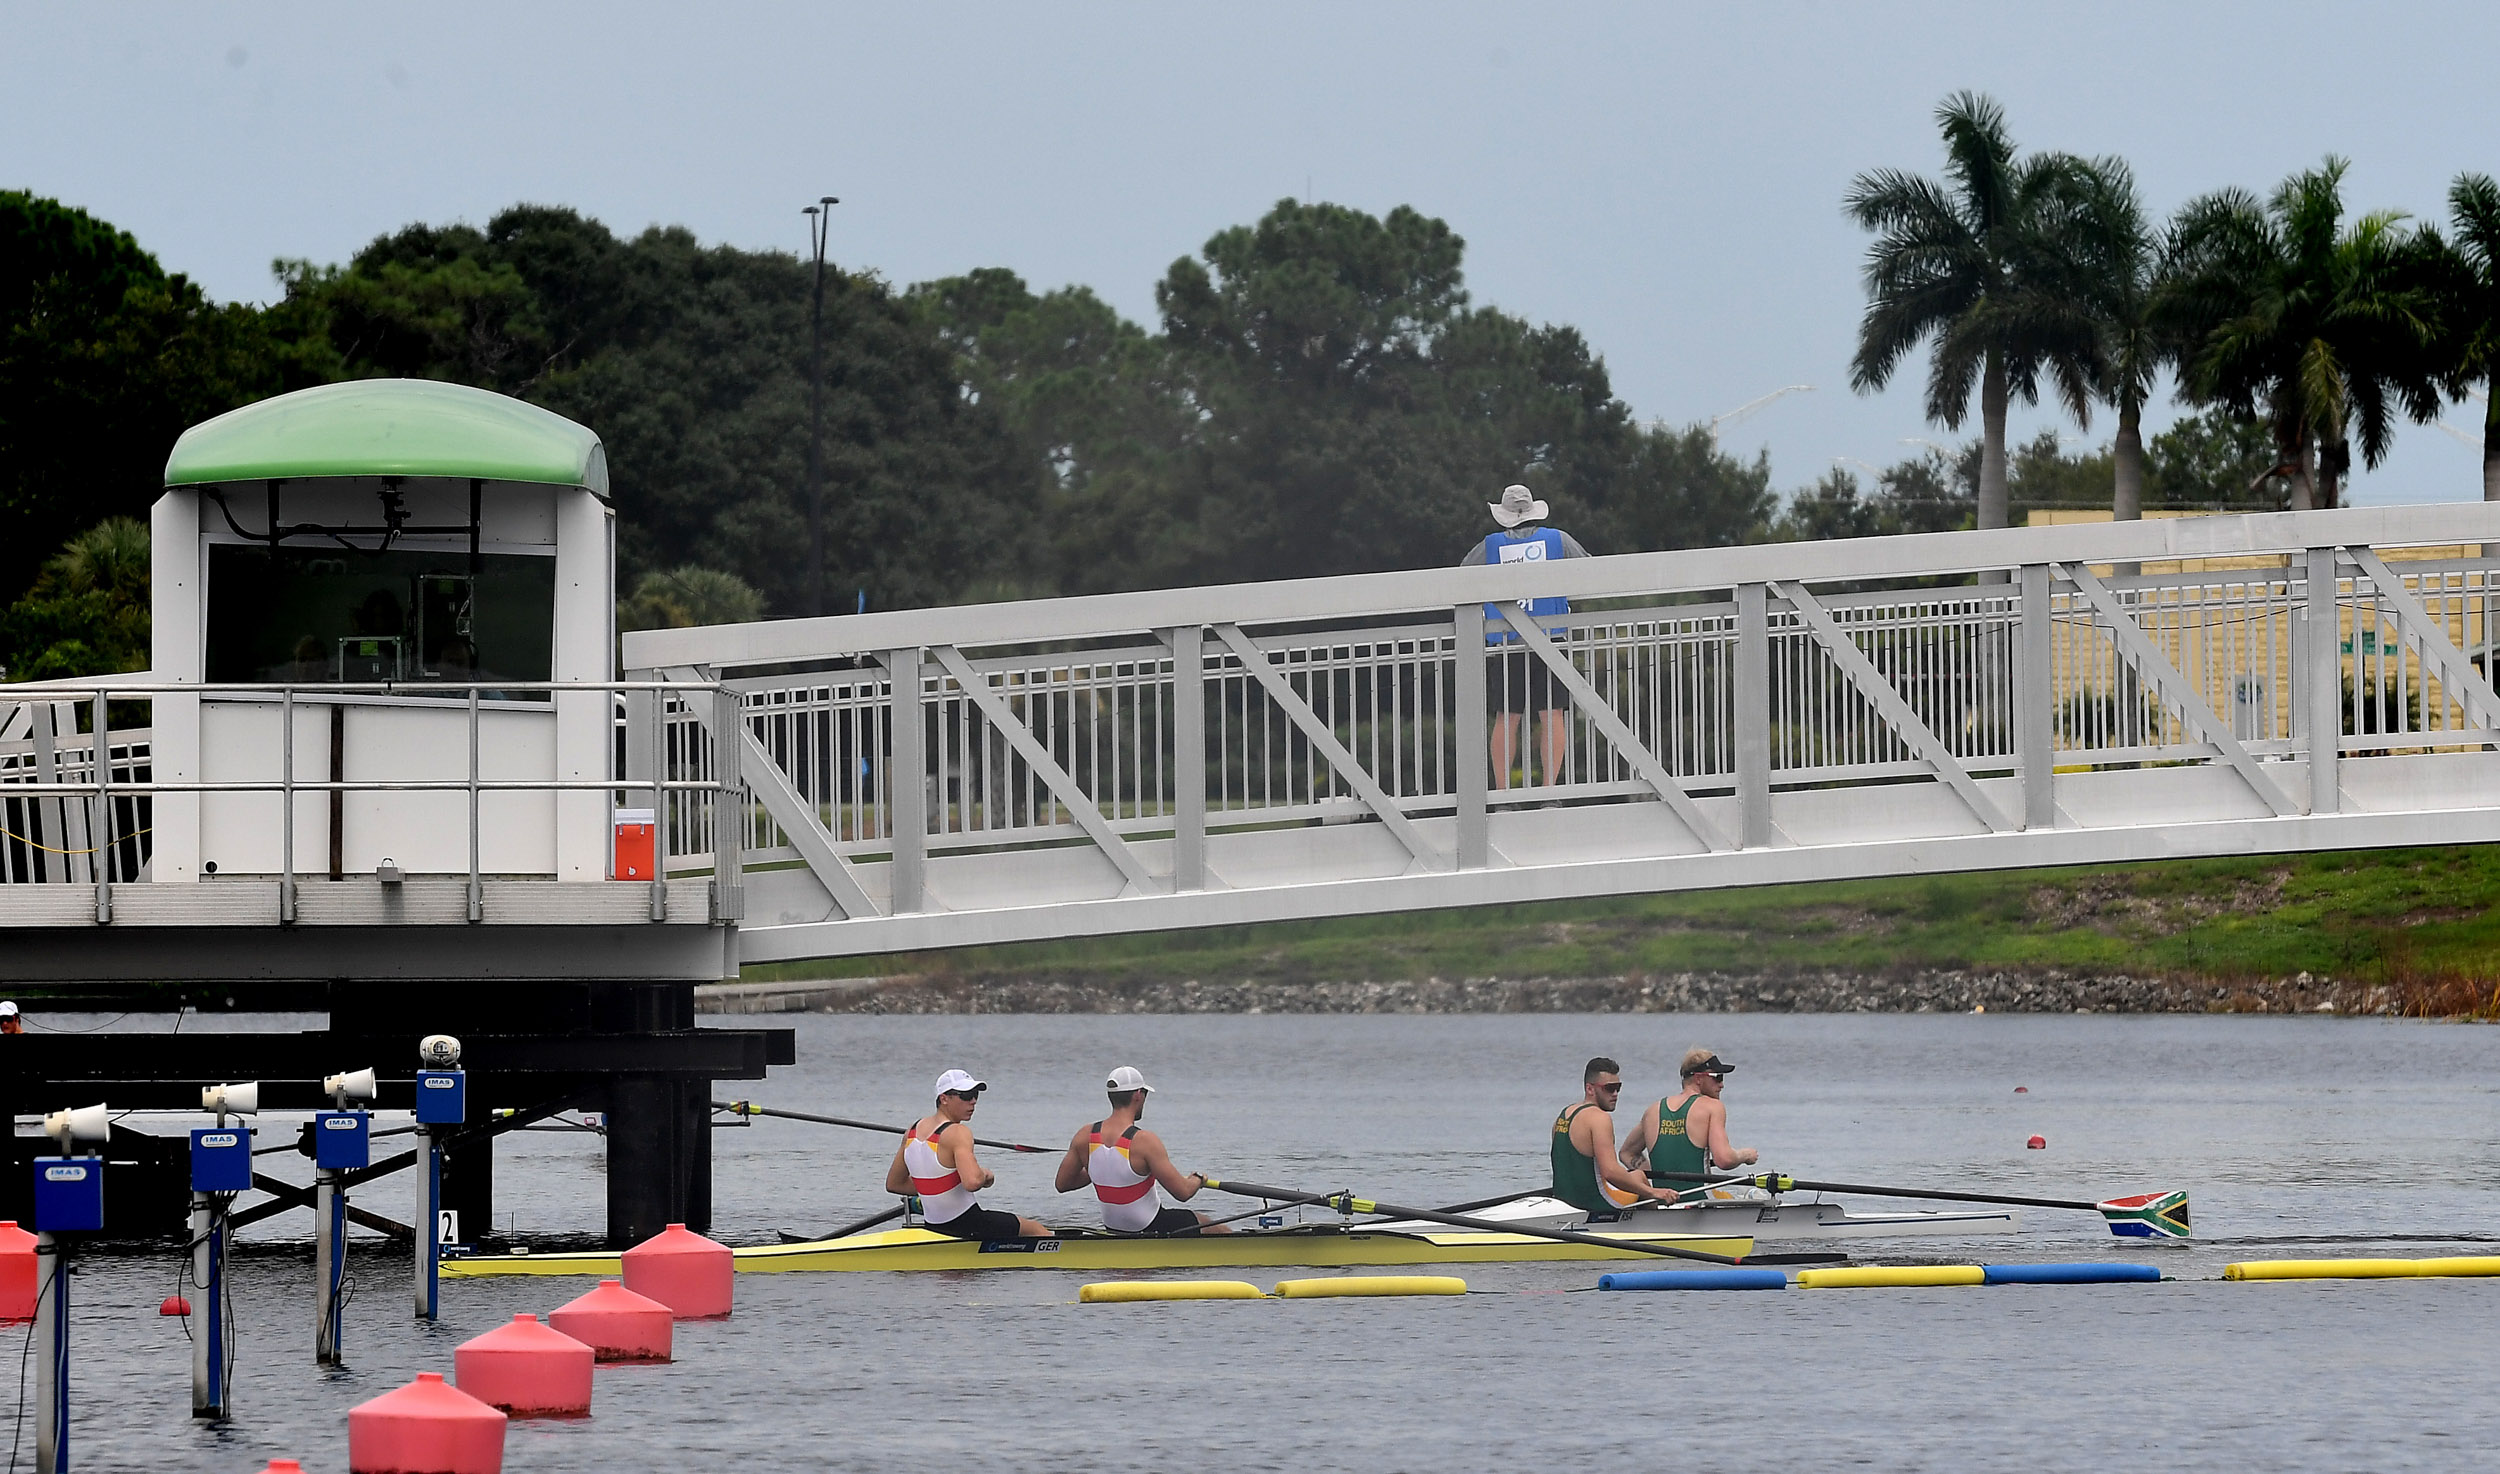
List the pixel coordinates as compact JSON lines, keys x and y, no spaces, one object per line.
{"x":1541,"y":545}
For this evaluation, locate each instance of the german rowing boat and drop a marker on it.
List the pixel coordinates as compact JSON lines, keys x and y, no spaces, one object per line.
{"x":1322,"y":1245}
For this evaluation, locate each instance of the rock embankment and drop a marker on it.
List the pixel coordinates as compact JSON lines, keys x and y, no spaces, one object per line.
{"x":1941,"y":991}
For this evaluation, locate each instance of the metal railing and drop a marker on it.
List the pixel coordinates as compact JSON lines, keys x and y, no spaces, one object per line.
{"x":64,"y":820}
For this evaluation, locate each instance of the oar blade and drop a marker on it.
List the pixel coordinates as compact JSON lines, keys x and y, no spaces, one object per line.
{"x":2161,"y":1215}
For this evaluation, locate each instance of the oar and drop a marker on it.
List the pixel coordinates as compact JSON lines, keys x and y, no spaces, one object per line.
{"x":2145,"y":1215}
{"x":848,"y":1229}
{"x":1348,"y":1203}
{"x":750,"y":1108}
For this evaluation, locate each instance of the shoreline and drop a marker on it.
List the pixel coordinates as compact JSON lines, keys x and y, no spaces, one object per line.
{"x":1785,"y":991}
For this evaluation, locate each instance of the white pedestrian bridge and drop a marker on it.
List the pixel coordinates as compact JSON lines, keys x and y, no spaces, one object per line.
{"x":2091,"y":693}
{"x":2057,"y":695}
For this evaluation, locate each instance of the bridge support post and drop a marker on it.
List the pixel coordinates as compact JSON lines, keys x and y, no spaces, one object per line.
{"x":907,"y":802}
{"x":1471,"y":746}
{"x":2035,"y":718}
{"x":2322,"y":662}
{"x":1753,"y":713}
{"x":1189,"y":756}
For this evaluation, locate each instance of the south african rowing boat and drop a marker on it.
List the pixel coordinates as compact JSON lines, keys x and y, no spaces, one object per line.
{"x":1766,"y":1217}
{"x":1307,"y":1245}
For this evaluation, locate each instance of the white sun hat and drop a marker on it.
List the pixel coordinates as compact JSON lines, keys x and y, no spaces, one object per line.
{"x":1127,"y":1078}
{"x":957,"y":1080}
{"x":1518,"y":504}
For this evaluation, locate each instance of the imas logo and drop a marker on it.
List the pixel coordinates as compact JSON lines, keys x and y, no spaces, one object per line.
{"x":217,"y":1138}
{"x":64,"y":1174}
{"x":339,"y":1123}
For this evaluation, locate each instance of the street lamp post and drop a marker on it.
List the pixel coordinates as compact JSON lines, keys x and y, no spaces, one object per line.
{"x":819,"y":226}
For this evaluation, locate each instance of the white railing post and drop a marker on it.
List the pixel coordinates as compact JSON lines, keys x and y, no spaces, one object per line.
{"x":730,"y":806}
{"x":477,"y":879}
{"x":101,"y":831}
{"x":659,"y":804}
{"x":2035,"y":714}
{"x":286,"y":801}
{"x":2322,"y":667}
{"x":1471,"y":746}
{"x":1189,"y":756}
{"x":1753,"y":713}
{"x":907,"y":802}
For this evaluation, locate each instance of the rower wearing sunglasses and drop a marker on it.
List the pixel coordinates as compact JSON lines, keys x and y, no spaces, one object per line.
{"x":936,"y":1161}
{"x":1587,"y":1174}
{"x":1687,"y":1132}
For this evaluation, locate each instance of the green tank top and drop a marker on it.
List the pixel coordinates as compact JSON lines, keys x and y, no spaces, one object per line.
{"x":1675,"y":1150}
{"x":1575,"y":1174}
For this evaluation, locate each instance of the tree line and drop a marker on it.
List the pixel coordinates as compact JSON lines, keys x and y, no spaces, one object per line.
{"x":1319,"y":393}
{"x":2043,"y":272}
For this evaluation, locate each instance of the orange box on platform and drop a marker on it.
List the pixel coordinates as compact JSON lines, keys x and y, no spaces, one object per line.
{"x":636,"y":851}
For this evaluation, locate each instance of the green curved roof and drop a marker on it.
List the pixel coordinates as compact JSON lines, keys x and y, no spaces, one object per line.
{"x":390,"y":427}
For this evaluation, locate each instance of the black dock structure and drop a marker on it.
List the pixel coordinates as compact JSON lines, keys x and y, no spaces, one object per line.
{"x":628,"y":1050}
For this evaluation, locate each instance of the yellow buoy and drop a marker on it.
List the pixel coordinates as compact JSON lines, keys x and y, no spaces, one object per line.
{"x":1372,"y":1284}
{"x":2362,"y":1269}
{"x":1893,"y":1276}
{"x":1115,"y":1292}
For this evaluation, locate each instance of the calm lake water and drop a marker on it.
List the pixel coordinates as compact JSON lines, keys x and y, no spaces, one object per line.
{"x":2297,"y":1137}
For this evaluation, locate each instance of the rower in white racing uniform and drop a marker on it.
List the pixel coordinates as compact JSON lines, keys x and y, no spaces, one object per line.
{"x":1124,"y":1163}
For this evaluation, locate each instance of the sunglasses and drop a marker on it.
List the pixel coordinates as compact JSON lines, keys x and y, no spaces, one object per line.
{"x":1614,"y":1089}
{"x":965,"y":1094}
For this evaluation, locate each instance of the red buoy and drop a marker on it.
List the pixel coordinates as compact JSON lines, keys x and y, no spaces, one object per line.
{"x":526,"y":1369}
{"x":283,"y":1466}
{"x":426,"y":1427}
{"x":684,"y":1271}
{"x":2037,"y":1143}
{"x":174,"y":1305}
{"x":2022,"y":1090}
{"x":617,"y":1324}
{"x":17,"y":1272}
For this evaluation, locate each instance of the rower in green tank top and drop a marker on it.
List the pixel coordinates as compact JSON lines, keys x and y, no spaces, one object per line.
{"x":1586,"y":1172}
{"x":1685,"y":1135}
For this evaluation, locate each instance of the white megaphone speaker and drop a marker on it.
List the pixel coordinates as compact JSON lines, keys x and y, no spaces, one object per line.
{"x":231,"y":1100}
{"x":87,"y":1123}
{"x":354,"y":1085}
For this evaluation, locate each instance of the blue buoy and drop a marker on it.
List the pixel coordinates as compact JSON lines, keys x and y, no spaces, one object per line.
{"x":2072,"y":1274}
{"x":1694,"y":1279}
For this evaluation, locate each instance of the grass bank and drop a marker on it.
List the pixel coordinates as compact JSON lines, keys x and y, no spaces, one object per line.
{"x":2425,"y":922}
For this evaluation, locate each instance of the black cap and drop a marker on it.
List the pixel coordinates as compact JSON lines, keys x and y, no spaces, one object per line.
{"x":1711,"y":1066}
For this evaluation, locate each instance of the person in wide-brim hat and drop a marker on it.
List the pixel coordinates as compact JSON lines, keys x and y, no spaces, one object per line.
{"x":1516,"y":682}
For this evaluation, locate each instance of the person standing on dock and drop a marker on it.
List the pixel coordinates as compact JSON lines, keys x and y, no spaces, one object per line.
{"x":936,"y":1161}
{"x":1686,"y":1134}
{"x":1516,"y":683}
{"x":1586,"y":1173}
{"x":1124,"y":1163}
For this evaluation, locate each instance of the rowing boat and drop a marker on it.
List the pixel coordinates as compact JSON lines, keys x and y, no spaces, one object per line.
{"x":1763,"y":1216}
{"x":1306,"y":1245}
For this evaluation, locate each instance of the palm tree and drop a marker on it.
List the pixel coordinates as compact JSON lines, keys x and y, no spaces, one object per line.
{"x":2323,"y":328}
{"x":1984,"y":265}
{"x":2470,"y":299}
{"x":2126,"y":281}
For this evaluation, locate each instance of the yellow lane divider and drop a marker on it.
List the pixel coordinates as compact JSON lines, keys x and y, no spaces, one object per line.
{"x":1371,"y":1284}
{"x":1890,"y":1276}
{"x":2363,"y":1269}
{"x":1115,"y":1292}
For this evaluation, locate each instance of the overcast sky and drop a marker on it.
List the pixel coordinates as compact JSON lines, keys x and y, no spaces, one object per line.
{"x":1667,"y":178}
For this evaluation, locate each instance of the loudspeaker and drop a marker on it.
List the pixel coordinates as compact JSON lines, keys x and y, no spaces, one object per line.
{"x":87,"y":1123}
{"x":354,"y":1085}
{"x":231,"y":1100}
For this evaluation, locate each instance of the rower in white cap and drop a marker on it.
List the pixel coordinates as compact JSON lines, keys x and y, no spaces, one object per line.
{"x":936,"y":1161}
{"x":1124,"y":1162}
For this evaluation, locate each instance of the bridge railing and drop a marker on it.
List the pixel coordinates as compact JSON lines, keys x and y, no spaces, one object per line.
{"x":1098,"y":747}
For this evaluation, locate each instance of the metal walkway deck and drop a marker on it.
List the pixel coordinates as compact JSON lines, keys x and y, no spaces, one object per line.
{"x":1898,"y":706}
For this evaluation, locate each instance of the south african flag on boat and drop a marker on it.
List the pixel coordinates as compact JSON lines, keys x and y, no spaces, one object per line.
{"x":2148,"y":1216}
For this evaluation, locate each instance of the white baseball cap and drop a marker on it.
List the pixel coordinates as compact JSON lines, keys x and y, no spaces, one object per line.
{"x":957,"y":1080}
{"x":7,"y":1009}
{"x":1127,"y":1078}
